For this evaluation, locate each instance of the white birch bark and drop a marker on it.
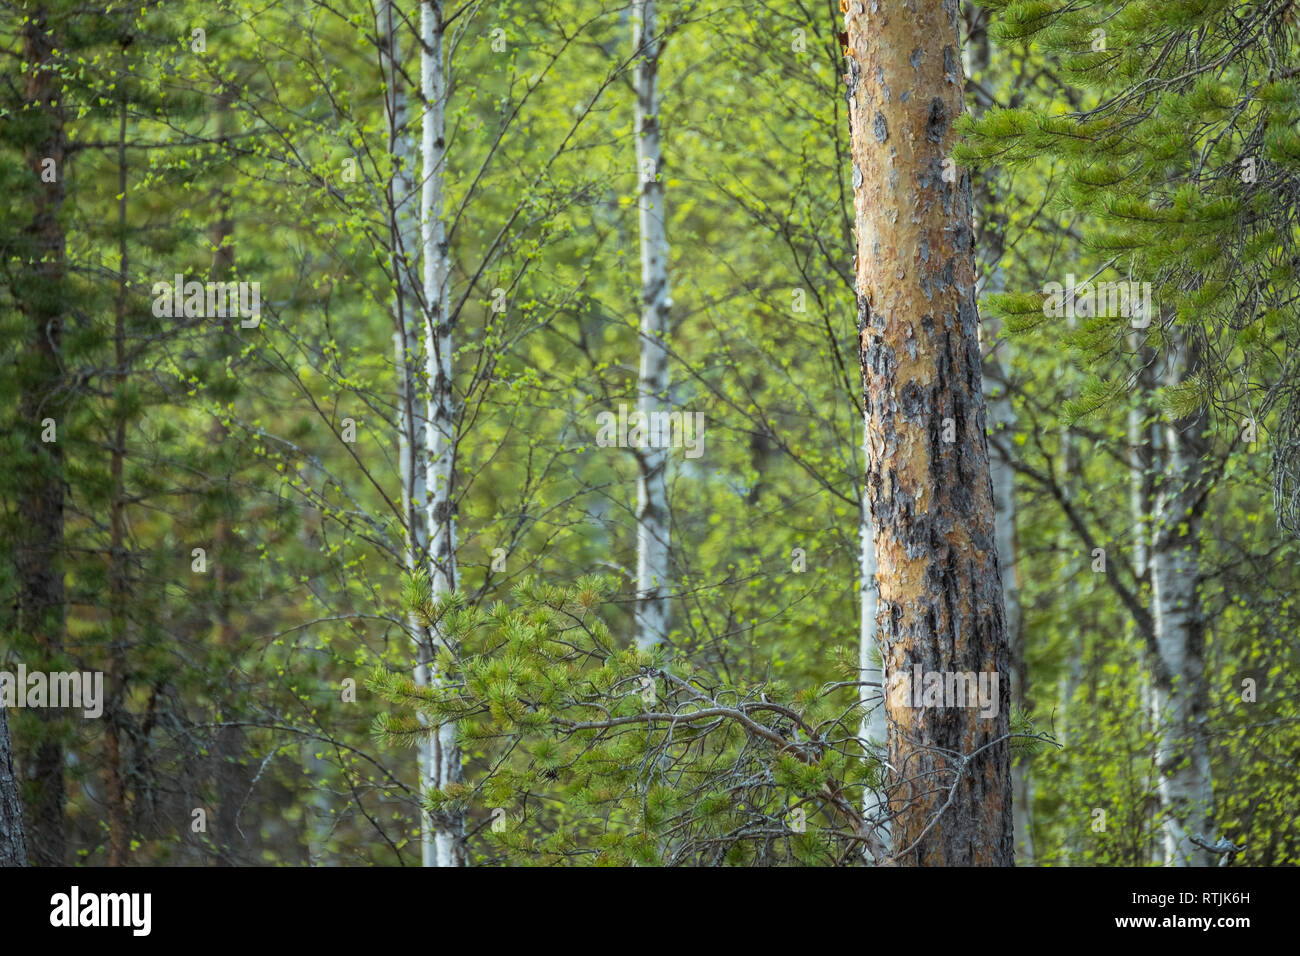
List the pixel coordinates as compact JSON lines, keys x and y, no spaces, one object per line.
{"x":1145,"y":456}
{"x":1178,"y":689}
{"x":408,"y":357}
{"x":1142,"y":449}
{"x":874,"y":731}
{"x":440,"y":434}
{"x":652,"y":563}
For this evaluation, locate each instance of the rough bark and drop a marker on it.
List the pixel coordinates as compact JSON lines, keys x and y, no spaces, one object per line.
{"x":931,"y":499}
{"x":652,"y":551}
{"x":38,"y":550}
{"x":1002,"y":423}
{"x":1178,"y":688}
{"x":13,"y":848}
{"x":440,"y":434}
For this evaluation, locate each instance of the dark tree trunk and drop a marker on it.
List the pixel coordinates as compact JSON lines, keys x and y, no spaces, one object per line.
{"x":115,"y":793}
{"x":13,"y":849}
{"x":38,"y":549}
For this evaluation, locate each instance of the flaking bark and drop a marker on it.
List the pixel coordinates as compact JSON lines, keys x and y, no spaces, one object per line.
{"x":931,"y":499}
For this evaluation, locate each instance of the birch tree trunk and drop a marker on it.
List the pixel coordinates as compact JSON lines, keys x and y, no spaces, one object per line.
{"x":1002,"y":419}
{"x":1146,"y":441}
{"x":874,"y":731}
{"x":404,"y":240}
{"x":931,"y":498}
{"x":440,"y":433}
{"x":652,"y":553}
{"x":13,"y":848}
{"x":1178,"y":687}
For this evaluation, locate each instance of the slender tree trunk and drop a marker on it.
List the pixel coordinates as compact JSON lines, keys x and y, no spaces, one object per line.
{"x":114,"y":787}
{"x":928,"y":469}
{"x":318,"y":816}
{"x":1071,"y":681}
{"x":874,"y":731}
{"x":408,"y":348}
{"x":39,"y":548}
{"x":441,"y":422}
{"x":1178,"y":690}
{"x":653,"y":579}
{"x":228,"y":747}
{"x":1002,"y":418}
{"x":1002,"y":422}
{"x":13,"y":848}
{"x":1146,"y":441}
{"x":1078,"y":652}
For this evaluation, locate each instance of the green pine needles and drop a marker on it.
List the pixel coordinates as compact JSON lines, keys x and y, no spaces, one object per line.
{"x":584,"y":751}
{"x":1170,"y":144}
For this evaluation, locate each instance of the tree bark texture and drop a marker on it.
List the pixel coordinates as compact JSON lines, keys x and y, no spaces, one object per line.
{"x":928,"y":475}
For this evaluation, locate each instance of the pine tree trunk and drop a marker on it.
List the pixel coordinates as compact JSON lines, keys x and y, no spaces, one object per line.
{"x":13,"y":848}
{"x":39,"y":291}
{"x":440,"y":448}
{"x":931,"y":498}
{"x":1178,"y":690}
{"x":652,"y":561}
{"x":118,"y":584}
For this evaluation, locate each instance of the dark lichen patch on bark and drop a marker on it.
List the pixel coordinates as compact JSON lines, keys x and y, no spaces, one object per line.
{"x":936,"y":124}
